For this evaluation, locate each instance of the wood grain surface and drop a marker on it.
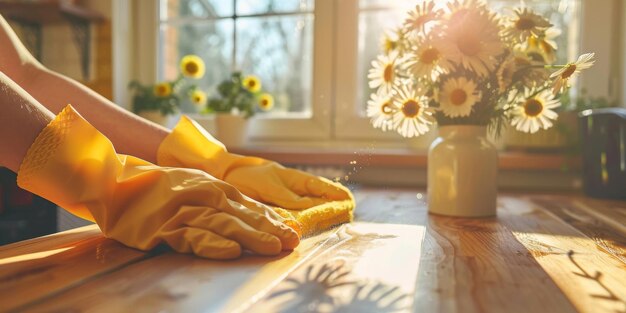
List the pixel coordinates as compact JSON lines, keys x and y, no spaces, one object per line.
{"x":542,"y":253}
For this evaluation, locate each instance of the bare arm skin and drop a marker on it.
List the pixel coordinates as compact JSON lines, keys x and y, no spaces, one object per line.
{"x":21,"y":120}
{"x":129,"y":133}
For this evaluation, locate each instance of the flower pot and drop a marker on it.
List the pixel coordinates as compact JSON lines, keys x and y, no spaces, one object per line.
{"x":462,"y":172}
{"x":154,"y":116}
{"x":231,"y":130}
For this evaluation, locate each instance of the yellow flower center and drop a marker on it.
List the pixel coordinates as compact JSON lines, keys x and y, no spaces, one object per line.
{"x":386,"y":108}
{"x":469,"y":45}
{"x":430,"y":56}
{"x":533,"y":107}
{"x":458,"y":96}
{"x":192,"y":68}
{"x":524,"y":24}
{"x":410,"y":108}
{"x":388,"y":73}
{"x":569,"y":71}
{"x":251,"y":83}
{"x":264,"y":103}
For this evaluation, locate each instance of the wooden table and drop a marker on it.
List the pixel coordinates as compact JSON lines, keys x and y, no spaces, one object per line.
{"x":558,"y":253}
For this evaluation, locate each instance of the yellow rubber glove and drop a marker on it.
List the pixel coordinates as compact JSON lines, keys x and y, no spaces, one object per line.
{"x":316,"y":203}
{"x":141,"y":204}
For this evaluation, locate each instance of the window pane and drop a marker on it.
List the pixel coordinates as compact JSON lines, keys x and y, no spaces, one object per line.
{"x":247,"y":7}
{"x":172,"y":9}
{"x":372,"y":26}
{"x":373,"y":21}
{"x":210,"y":40}
{"x":280,"y":51}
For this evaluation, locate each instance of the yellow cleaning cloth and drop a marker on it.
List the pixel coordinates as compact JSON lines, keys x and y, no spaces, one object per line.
{"x":315,"y":202}
{"x":141,"y":204}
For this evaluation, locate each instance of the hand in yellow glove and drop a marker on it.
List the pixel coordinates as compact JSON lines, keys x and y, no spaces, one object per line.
{"x":316,"y":202}
{"x":141,"y":204}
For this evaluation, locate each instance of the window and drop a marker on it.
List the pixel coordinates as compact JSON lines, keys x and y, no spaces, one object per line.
{"x":271,"y":39}
{"x":314,"y":55}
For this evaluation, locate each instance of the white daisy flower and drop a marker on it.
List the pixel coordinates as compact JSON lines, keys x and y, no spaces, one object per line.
{"x":457,"y":9}
{"x":457,"y":97}
{"x":473,"y":42}
{"x":428,"y":60}
{"x":535,"y":112}
{"x":380,"y":110}
{"x":420,"y":16}
{"x":384,"y":72}
{"x":563,"y":75}
{"x":413,"y":115}
{"x":526,"y":23}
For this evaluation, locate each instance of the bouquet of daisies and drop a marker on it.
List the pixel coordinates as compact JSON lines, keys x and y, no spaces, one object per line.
{"x":464,"y":64}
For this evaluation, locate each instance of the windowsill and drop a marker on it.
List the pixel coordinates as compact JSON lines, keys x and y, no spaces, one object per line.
{"x":404,"y":158}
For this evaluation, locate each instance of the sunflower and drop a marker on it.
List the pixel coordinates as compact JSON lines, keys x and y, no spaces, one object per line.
{"x":192,"y":66}
{"x":526,"y":23}
{"x":563,"y":75}
{"x":458,"y":96}
{"x":413,"y":115}
{"x":163,"y":89}
{"x":266,"y":102}
{"x":384,"y":72}
{"x":422,"y":15}
{"x":534,"y":112}
{"x":380,"y":109}
{"x":198,"y":97}
{"x":473,"y":41}
{"x":251,"y":83}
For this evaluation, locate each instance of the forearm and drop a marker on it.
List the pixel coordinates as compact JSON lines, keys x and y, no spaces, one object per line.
{"x":129,"y":133}
{"x":22,"y":119}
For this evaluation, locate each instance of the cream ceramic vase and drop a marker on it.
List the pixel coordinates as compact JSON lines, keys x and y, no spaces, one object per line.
{"x":462,"y":172}
{"x":231,"y":129}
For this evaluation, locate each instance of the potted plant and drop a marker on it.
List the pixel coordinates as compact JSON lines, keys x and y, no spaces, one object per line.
{"x":468,"y":70}
{"x":239,"y":98}
{"x":156,"y":101}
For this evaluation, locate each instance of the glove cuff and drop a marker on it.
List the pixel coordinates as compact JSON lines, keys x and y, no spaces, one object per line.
{"x":46,"y":170}
{"x":189,"y":145}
